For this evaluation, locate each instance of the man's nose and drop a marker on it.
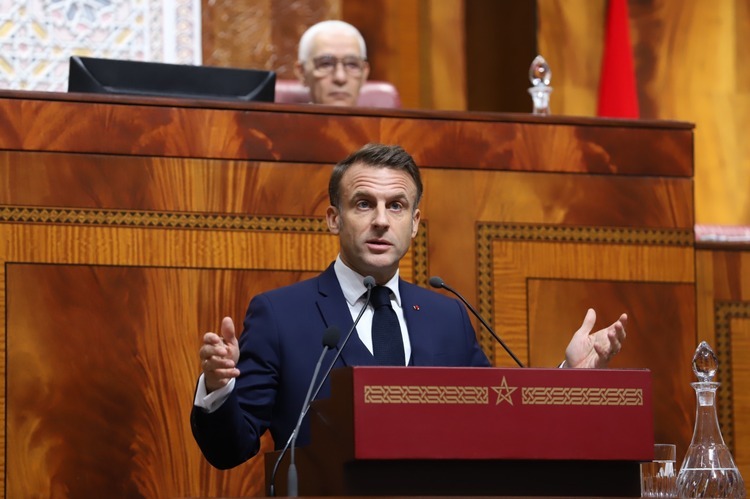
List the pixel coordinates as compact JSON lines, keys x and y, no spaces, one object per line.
{"x":339,"y":73}
{"x":381,"y":216}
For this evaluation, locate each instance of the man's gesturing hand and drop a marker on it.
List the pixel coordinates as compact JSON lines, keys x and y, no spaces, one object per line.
{"x":219,"y":356}
{"x":587,"y":349}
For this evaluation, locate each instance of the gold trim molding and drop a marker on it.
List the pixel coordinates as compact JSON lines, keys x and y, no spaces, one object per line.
{"x":194,"y":220}
{"x":479,"y":395}
{"x":489,"y":232}
{"x":724,"y":312}
{"x":395,"y":394}
{"x":563,"y":395}
{"x":161,"y":220}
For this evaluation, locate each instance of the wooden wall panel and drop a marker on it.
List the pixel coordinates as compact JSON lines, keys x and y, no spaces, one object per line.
{"x":689,"y":58}
{"x":687,"y":55}
{"x":101,"y":326}
{"x":570,"y":36}
{"x":418,"y":45}
{"x":188,"y":203}
{"x":131,"y":319}
{"x":656,"y":318}
{"x":261,"y":34}
{"x":723,"y":291}
{"x":500,"y":45}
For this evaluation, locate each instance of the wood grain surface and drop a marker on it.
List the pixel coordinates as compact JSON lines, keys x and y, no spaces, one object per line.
{"x":129,"y":227}
{"x":723,"y":306}
{"x":688,"y":58}
{"x":689,"y":63}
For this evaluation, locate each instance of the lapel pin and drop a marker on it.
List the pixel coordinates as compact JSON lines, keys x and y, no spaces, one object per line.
{"x":416,"y":307}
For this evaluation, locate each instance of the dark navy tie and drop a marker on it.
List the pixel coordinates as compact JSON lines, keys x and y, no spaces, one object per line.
{"x":387,"y":343}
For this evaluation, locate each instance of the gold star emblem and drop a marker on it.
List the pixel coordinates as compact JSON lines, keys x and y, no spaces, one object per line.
{"x":504,"y":392}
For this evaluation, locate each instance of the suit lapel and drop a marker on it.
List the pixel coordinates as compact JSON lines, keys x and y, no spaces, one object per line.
{"x":416,"y":316}
{"x":335,"y":311}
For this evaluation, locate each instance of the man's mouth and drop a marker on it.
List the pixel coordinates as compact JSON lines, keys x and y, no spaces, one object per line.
{"x":379,"y":244}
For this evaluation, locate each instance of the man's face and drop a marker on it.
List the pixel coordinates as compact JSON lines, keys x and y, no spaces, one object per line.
{"x":377,"y":219}
{"x":331,"y":82}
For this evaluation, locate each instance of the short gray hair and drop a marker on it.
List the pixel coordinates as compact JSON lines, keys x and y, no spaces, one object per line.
{"x":306,"y":42}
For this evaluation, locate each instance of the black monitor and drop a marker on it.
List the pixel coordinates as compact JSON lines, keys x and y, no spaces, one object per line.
{"x":111,"y":76}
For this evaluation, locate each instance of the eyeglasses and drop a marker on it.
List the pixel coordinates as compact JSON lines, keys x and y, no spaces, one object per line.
{"x":326,"y":64}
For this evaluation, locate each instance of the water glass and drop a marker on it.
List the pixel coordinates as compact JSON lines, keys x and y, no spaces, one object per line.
{"x":659,"y":477}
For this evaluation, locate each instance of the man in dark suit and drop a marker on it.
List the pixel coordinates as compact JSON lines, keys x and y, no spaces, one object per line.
{"x":259,"y":381}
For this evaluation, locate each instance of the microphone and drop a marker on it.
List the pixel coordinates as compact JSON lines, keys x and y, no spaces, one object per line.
{"x":437,"y":282}
{"x":330,"y":338}
{"x":369,"y":283}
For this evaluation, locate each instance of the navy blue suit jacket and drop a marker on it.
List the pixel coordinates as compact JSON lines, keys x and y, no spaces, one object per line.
{"x":282,"y":342}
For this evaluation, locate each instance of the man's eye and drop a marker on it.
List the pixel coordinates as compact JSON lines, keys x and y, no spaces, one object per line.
{"x":396,"y":206}
{"x":363,"y":204}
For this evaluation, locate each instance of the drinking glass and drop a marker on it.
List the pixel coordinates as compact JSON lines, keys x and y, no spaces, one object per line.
{"x":659,"y":477}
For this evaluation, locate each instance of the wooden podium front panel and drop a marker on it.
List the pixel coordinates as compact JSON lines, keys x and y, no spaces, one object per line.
{"x":110,"y":205}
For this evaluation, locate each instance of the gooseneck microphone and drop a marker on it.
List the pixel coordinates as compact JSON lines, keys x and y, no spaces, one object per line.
{"x":330,"y":339}
{"x":369,"y":283}
{"x":437,"y":282}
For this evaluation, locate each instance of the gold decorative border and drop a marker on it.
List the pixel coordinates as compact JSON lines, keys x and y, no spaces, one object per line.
{"x":420,"y":255}
{"x":479,"y":395}
{"x":724,"y":312}
{"x":193,"y":220}
{"x":155,"y":219}
{"x":489,"y":232}
{"x":394,"y":394}
{"x":563,"y":395}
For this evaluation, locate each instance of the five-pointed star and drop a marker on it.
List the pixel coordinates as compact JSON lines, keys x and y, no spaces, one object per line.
{"x":504,"y":392}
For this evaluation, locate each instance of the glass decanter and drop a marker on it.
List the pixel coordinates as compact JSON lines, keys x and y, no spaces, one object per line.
{"x":708,"y":469}
{"x":540,"y":76}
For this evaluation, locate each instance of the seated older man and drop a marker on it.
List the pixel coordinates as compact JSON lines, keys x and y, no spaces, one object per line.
{"x":332,"y":63}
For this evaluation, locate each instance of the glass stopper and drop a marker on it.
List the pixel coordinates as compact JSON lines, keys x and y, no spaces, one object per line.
{"x":539,"y":72}
{"x":705,"y":362}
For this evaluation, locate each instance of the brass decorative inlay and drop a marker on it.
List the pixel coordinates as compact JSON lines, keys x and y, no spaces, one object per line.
{"x":536,"y":395}
{"x":154,"y":219}
{"x":489,"y":232}
{"x":565,"y":395}
{"x":395,"y":394}
{"x":419,"y":252}
{"x":504,"y":392}
{"x":724,"y":312}
{"x":193,"y":220}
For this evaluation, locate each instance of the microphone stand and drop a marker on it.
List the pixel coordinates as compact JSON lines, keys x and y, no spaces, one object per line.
{"x":369,"y":283}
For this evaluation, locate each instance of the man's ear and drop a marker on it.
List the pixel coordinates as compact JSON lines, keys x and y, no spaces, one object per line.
{"x":333,"y":219}
{"x":299,"y":72}
{"x":416,"y":216}
{"x":365,"y":71}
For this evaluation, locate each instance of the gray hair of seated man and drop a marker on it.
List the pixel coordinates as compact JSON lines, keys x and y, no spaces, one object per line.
{"x":306,"y":41}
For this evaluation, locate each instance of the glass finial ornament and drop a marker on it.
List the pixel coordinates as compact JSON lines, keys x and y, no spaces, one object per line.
{"x":540,"y":76}
{"x":708,"y":469}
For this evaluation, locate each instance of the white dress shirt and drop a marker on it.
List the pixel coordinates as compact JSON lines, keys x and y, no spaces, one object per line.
{"x":355,"y":293}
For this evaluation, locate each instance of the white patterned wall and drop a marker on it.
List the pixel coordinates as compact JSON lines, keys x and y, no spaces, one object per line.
{"x":37,"y":37}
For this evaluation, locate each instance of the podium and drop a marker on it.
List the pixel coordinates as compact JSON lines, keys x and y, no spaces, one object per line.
{"x":476,"y":431}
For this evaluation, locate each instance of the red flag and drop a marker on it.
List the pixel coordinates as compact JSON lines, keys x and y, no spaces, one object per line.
{"x":617,"y":91}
